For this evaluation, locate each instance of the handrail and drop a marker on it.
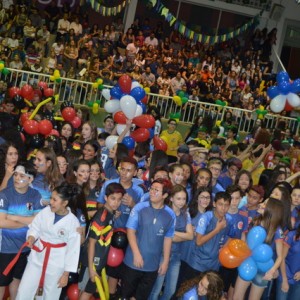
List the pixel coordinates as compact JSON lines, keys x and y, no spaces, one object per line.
{"x":81,"y":92}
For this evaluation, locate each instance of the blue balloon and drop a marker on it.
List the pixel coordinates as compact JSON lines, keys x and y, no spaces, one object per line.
{"x":144,"y":107}
{"x":295,"y":88}
{"x":116,"y":92}
{"x":273,"y":92}
{"x":256,"y":236}
{"x":151,"y":131}
{"x":247,"y":269}
{"x":129,"y":142}
{"x":262,"y":253}
{"x":266,"y":266}
{"x":282,"y":76}
{"x":138,"y":93}
{"x":284,"y":87}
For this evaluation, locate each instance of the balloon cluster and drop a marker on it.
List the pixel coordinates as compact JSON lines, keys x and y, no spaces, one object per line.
{"x":284,"y":94}
{"x":98,"y":84}
{"x":221,"y":103}
{"x":251,"y":257}
{"x":3,"y":70}
{"x":127,"y":101}
{"x":56,"y":76}
{"x":180,"y":99}
{"x":261,"y":112}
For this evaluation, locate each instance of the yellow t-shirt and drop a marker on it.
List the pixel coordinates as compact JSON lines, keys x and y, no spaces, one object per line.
{"x":248,"y":164}
{"x":173,"y":140}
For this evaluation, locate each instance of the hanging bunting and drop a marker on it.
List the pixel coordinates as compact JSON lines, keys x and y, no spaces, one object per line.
{"x":192,"y":35}
{"x":109,"y":11}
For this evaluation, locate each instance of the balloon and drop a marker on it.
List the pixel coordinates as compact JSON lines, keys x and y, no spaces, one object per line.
{"x":54,"y":132}
{"x":145,"y":121}
{"x":106,"y":94}
{"x":36,"y":141}
{"x":228,"y":260}
{"x":125,"y":83}
{"x":239,"y":248}
{"x":65,"y":104}
{"x":121,"y":128}
{"x":265,"y":266}
{"x":116,"y":92}
{"x":45,"y":127}
{"x":48,"y":92}
{"x":181,"y":94}
{"x":134,"y":84}
{"x":144,"y":107}
{"x":248,"y":269}
{"x":42,"y":85}
{"x":273,"y":91}
{"x":68,"y":114}
{"x":139,"y":110}
{"x":159,"y":144}
{"x":119,"y":117}
{"x":287,"y":106}
{"x":293,"y":99}
{"x":138,"y":93}
{"x":129,"y":142}
{"x":140,"y":135}
{"x":115,"y":257}
{"x":18,"y":102}
{"x":151,"y":131}
{"x":95,"y":108}
{"x":73,"y":292}
{"x":145,"y":100}
{"x":295,"y":88}
{"x":147,"y":90}
{"x":31,"y":127}
{"x":76,"y":122}
{"x":111,"y":141}
{"x":128,"y":106}
{"x":177,"y":100}
{"x":256,"y":236}
{"x":112,"y":106}
{"x":278,"y":103}
{"x":262,"y":253}
{"x":27,"y":91}
{"x":119,"y":240}
{"x":284,"y":87}
{"x":282,"y":76}
{"x":184,"y":100}
{"x":13,"y":91}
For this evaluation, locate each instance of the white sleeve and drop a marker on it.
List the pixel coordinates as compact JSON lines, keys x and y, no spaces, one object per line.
{"x":35,"y":225}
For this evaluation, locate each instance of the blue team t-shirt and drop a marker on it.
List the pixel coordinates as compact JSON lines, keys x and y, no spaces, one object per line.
{"x":14,"y":203}
{"x":152,"y":226}
{"x":239,"y":224}
{"x":42,"y":187}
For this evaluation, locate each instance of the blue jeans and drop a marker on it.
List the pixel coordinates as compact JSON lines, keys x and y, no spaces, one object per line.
{"x":170,"y":279}
{"x":292,"y":294}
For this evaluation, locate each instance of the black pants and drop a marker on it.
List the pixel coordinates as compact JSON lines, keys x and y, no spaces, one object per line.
{"x":137,"y":284}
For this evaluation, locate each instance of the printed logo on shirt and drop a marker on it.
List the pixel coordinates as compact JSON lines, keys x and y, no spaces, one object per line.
{"x":132,"y":213}
{"x":97,"y":194}
{"x":1,"y":202}
{"x":29,"y":206}
{"x":96,"y":261}
{"x":201,"y":222}
{"x":61,"y":233}
{"x":161,"y":231}
{"x":240,"y":225}
{"x":82,"y":219}
{"x":249,"y":220}
{"x":281,"y":234}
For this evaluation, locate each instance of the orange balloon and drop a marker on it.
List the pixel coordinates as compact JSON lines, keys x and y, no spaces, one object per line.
{"x":239,"y":248}
{"x":228,"y":260}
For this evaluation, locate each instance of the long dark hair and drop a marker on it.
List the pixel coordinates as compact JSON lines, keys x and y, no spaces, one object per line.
{"x":193,"y":205}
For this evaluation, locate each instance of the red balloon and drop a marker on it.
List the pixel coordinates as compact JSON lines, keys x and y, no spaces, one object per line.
{"x":48,"y":92}
{"x":54,"y":132}
{"x":76,"y":122}
{"x":145,"y":100}
{"x":27,"y":92}
{"x":140,"y":135}
{"x":45,"y":127}
{"x":43,"y":85}
{"x":145,"y":121}
{"x":288,"y":107}
{"x":73,"y":292}
{"x":125,"y":83}
{"x":159,"y":144}
{"x":115,"y":256}
{"x":68,"y":114}
{"x":119,"y":117}
{"x":24,"y":117}
{"x":31,"y":127}
{"x":14,"y":91}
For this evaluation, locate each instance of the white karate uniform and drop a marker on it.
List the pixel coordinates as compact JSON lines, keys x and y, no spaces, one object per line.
{"x":60,"y":259}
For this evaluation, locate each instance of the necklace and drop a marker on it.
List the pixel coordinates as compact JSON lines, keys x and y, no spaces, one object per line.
{"x":156,"y":212}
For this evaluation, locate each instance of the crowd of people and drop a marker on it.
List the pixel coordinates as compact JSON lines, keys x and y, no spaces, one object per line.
{"x":65,"y":196}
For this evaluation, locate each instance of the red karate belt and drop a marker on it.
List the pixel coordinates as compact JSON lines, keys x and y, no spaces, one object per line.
{"x":46,"y":246}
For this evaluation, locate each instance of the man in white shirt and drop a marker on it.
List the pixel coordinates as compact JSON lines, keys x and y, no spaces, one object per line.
{"x":131,"y":50}
{"x":177,"y":83}
{"x":151,"y":40}
{"x":63,"y":26}
{"x":76,"y":26}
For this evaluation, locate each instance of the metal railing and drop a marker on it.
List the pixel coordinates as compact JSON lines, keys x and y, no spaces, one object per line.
{"x":81,"y":92}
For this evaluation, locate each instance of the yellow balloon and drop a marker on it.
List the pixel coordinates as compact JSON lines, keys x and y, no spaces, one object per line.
{"x":147,"y":90}
{"x":177,"y":100}
{"x":56,"y":73}
{"x":28,"y":102}
{"x":218,"y":123}
{"x":95,"y":85}
{"x":52,"y":78}
{"x":57,"y":76}
{"x":38,"y":107}
{"x":58,"y":118}
{"x":99,"y":81}
{"x":95,"y":108}
{"x":1,"y":66}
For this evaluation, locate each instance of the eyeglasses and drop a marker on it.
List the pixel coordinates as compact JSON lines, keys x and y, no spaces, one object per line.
{"x":95,"y":171}
{"x":204,"y":198}
{"x":155,"y":190}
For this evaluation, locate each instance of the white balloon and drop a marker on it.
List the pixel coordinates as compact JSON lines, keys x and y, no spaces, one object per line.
{"x":111,"y":141}
{"x":139,"y":111}
{"x":112,"y":106}
{"x":278,"y":103}
{"x":106,"y":94}
{"x":134,"y":84}
{"x":293,"y":99}
{"x":128,"y":106}
{"x":120,"y":129}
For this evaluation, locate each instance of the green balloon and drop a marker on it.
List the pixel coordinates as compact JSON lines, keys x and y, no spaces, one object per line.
{"x":5,"y":71}
{"x":58,"y":80}
{"x":90,"y":104}
{"x":100,"y":87}
{"x":184,"y":100}
{"x":181,"y":94}
{"x":98,"y":102}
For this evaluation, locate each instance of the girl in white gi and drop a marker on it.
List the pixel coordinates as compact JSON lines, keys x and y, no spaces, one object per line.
{"x":55,"y":245}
